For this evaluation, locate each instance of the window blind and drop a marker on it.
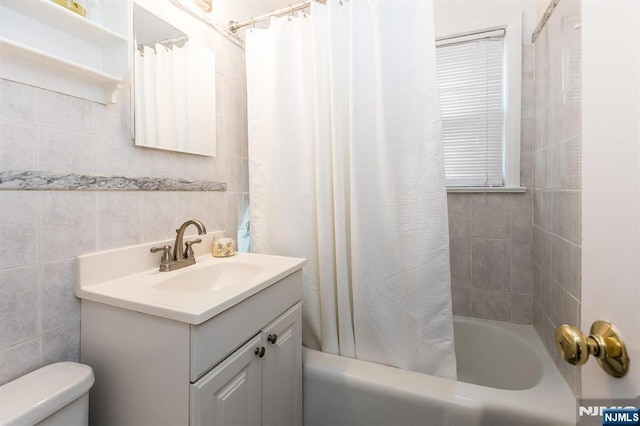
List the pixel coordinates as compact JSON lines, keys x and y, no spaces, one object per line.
{"x":470,"y":80}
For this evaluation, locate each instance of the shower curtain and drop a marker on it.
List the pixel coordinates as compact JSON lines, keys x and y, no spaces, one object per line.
{"x":346,"y":170}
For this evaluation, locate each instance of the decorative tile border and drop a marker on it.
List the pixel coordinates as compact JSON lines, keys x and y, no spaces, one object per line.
{"x":46,"y":181}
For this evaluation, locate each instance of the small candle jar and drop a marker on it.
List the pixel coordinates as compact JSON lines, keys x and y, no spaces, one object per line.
{"x":224,"y":247}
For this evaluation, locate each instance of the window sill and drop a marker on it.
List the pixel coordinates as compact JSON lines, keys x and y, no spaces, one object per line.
{"x":483,"y":189}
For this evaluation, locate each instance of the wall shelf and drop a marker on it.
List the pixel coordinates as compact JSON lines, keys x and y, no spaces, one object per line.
{"x":38,"y":57}
{"x":45,"y":45}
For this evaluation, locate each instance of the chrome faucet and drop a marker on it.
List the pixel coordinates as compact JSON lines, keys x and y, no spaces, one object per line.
{"x":182,"y":252}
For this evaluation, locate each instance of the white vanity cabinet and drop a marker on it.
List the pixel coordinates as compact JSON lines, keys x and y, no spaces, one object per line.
{"x":259,"y":384}
{"x":241,"y":367}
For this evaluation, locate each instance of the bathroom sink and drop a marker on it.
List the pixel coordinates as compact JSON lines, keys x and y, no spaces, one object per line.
{"x":209,"y":278}
{"x":129,"y":278}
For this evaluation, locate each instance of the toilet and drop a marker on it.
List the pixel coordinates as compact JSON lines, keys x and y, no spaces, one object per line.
{"x":57,"y":394}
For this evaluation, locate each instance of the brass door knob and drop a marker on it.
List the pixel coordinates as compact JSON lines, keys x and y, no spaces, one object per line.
{"x":604,"y":343}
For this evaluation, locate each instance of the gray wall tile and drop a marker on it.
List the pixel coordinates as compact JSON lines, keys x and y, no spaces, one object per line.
{"x":65,"y":112}
{"x":521,"y":267}
{"x":557,"y":214}
{"x":572,"y":217}
{"x":491,"y":304}
{"x":558,"y":259}
{"x":491,"y":216}
{"x":459,"y":215}
{"x":66,"y":152}
{"x":528,"y":62}
{"x":18,"y":228}
{"x":491,"y":264}
{"x":18,"y":101}
{"x":570,"y":309}
{"x":554,"y":166}
{"x":58,"y":304}
{"x":460,"y":260}
{"x":215,"y":208}
{"x":190,"y":206}
{"x":537,"y":285}
{"x":526,"y":169}
{"x":61,"y":344}
{"x":546,"y":210}
{"x":159,"y":216}
{"x":17,"y":146}
{"x":67,"y":224}
{"x":521,"y":305}
{"x":557,"y":170}
{"x":573,"y":272}
{"x":540,"y":169}
{"x":234,"y":211}
{"x":116,"y":157}
{"x":461,"y":301}
{"x":522,"y":216}
{"x":19,"y":359}
{"x":235,"y":173}
{"x":555,"y":303}
{"x":114,"y":120}
{"x":119,"y":222}
{"x":19,"y":296}
{"x":231,"y":98}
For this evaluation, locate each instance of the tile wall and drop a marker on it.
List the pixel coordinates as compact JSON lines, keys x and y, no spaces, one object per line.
{"x":42,"y":232}
{"x":557,"y":180}
{"x":491,"y":235}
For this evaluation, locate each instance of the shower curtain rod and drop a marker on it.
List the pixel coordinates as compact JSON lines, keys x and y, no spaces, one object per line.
{"x":179,"y":41}
{"x":544,"y":19}
{"x":235,"y":25}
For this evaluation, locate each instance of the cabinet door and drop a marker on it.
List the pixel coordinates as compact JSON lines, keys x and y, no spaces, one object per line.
{"x":282,"y":370}
{"x":230,"y":394}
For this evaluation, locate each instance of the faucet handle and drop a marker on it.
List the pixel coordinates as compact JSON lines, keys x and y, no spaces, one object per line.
{"x":167,"y":259}
{"x":188,"y":251}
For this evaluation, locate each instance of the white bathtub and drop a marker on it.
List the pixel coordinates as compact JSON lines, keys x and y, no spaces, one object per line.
{"x":505,"y":377}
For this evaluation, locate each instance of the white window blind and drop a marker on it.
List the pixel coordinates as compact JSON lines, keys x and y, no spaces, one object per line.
{"x":471,"y":84}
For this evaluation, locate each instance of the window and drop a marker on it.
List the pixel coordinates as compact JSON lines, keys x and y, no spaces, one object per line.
{"x":479,"y":84}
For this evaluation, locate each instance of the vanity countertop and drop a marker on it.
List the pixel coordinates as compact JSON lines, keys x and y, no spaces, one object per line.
{"x":193,"y":294}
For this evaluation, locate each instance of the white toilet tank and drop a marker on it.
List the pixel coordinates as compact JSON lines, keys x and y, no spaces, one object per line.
{"x":57,"y":394}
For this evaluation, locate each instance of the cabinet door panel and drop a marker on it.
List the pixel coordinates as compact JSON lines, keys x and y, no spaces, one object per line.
{"x":282,"y":370}
{"x":230,"y":394}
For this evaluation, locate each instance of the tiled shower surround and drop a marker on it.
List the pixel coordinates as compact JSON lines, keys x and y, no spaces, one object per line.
{"x":557,"y":180}
{"x":491,"y":235}
{"x":43,"y":231}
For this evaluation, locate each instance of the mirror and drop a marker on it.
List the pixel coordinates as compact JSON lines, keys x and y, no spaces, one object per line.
{"x":174,"y":81}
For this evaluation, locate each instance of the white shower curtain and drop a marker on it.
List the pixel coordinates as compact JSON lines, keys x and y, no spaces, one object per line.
{"x":346,"y":170}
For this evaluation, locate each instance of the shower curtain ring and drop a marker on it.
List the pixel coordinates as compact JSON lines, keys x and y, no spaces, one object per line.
{"x":290,"y":12}
{"x":253,"y":23}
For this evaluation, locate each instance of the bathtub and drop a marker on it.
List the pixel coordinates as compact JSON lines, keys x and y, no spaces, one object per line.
{"x":505,"y":377}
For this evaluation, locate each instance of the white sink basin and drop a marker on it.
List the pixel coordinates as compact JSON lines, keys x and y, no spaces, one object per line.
{"x":129,"y":278}
{"x":209,"y":278}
